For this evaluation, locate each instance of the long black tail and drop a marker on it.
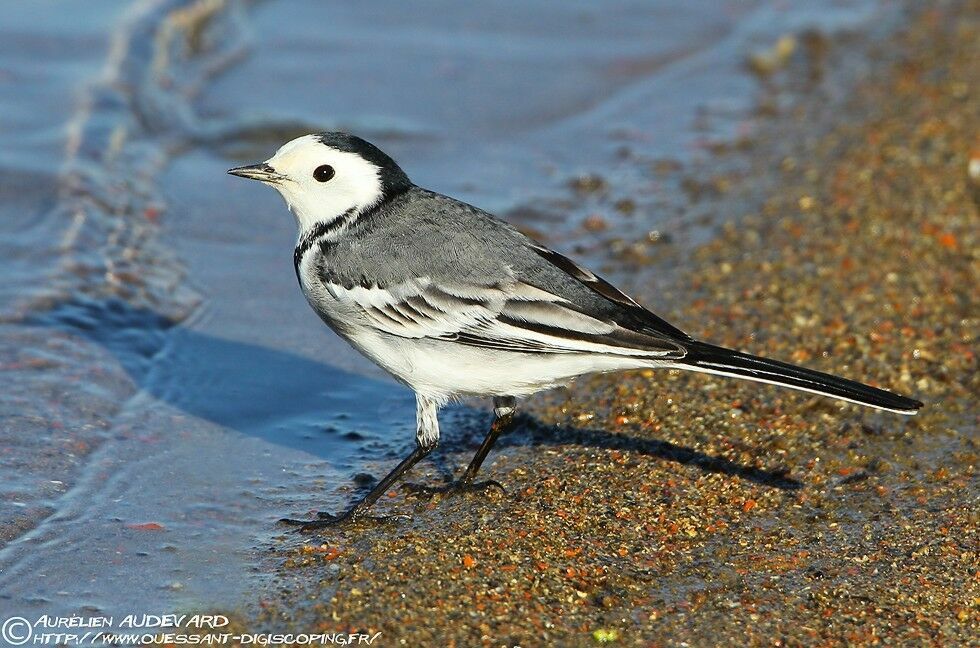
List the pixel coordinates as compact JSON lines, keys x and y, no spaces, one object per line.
{"x":713,"y":359}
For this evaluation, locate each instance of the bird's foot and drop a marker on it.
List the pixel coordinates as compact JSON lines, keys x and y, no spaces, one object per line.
{"x":457,"y":487}
{"x":329,"y":520}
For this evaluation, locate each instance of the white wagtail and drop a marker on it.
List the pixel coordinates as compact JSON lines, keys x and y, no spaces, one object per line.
{"x":453,"y":302}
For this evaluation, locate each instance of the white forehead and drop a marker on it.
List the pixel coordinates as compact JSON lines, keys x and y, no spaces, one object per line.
{"x":305,"y":145}
{"x":301,"y":155}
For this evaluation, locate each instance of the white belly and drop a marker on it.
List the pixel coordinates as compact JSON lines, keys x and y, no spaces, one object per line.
{"x":442,"y":370}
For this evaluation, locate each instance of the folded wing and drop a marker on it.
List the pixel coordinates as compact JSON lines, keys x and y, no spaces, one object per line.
{"x":507,"y":315}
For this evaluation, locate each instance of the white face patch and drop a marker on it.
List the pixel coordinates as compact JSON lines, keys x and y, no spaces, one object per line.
{"x":355,"y":183}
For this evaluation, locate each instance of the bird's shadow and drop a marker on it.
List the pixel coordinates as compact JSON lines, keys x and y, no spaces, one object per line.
{"x":596,"y":438}
{"x":307,"y":405}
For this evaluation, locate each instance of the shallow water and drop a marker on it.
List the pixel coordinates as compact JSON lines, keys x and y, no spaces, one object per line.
{"x":169,"y":392}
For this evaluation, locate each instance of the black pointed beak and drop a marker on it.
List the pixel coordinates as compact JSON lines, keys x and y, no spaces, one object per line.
{"x":261,"y":172}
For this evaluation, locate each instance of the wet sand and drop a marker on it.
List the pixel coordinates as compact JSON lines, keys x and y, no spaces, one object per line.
{"x":678,"y":509}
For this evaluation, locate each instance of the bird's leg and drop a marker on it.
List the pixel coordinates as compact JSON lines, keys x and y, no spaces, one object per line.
{"x":357,"y":512}
{"x":427,"y":438}
{"x":503,"y":410}
{"x":503,"y":419}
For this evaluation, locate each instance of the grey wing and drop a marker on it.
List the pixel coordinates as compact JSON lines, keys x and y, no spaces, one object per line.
{"x":604,"y":298}
{"x":510,"y":316}
{"x":443,"y":269}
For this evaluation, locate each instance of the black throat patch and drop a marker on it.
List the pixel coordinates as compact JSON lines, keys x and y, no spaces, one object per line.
{"x":317,"y":232}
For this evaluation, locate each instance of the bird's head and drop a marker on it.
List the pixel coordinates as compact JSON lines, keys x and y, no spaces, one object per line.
{"x":325,"y":175}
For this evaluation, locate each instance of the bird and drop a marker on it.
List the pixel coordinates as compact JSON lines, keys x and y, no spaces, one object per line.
{"x":454,"y":302}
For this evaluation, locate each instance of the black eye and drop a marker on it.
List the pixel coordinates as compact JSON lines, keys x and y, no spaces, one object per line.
{"x":323,"y":173}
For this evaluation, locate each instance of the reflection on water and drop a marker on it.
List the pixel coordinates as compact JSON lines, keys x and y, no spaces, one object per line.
{"x":161,"y":364}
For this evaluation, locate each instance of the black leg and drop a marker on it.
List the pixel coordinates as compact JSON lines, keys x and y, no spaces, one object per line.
{"x":500,"y":425}
{"x":502,"y":422}
{"x":357,"y":511}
